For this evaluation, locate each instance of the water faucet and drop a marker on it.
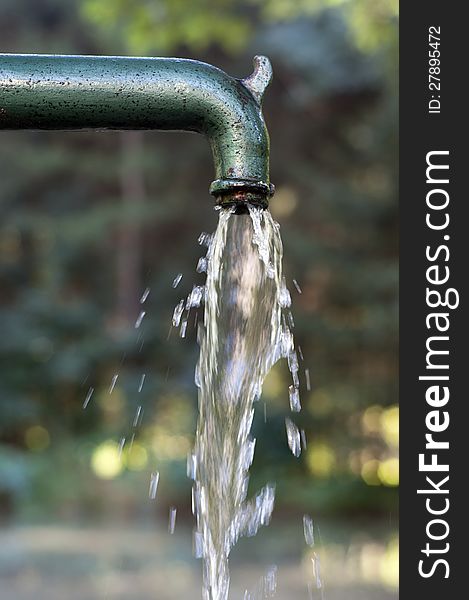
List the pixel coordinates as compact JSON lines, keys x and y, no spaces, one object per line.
{"x":113,"y":92}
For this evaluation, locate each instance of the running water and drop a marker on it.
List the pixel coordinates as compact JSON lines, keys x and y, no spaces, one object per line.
{"x":245,"y":331}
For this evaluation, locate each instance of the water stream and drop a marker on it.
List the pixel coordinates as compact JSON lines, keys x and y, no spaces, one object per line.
{"x":246,"y":329}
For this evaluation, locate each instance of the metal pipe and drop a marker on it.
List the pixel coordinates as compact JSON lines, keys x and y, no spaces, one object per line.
{"x":113,"y":92}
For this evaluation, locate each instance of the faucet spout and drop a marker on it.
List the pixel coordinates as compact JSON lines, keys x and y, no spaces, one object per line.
{"x":109,"y":92}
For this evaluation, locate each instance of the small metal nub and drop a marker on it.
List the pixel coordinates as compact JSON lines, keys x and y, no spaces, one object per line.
{"x":260,"y":78}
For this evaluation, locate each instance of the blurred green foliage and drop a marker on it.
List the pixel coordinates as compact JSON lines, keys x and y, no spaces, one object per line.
{"x":163,"y":26}
{"x":90,"y":220}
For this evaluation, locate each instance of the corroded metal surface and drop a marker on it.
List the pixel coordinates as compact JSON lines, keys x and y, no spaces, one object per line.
{"x":108,"y":92}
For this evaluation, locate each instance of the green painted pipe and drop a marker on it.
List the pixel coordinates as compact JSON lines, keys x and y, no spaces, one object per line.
{"x":113,"y":92}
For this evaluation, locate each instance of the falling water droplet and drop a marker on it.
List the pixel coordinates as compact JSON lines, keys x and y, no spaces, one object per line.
{"x":183,"y":329}
{"x":308,"y":380}
{"x":300,"y":352}
{"x":88,"y":397}
{"x":202,"y":265}
{"x":121,"y":446}
{"x":294,"y":367}
{"x":142,"y":381}
{"x":138,"y":414}
{"x":154,"y":479}
{"x":197,"y":544}
{"x":139,"y":320}
{"x":196,"y":296}
{"x":113,"y":383}
{"x":303,"y":438}
{"x":172,"y":519}
{"x":194,"y":500}
{"x":317,"y":570}
{"x":296,"y":284}
{"x":308,"y":529}
{"x":145,"y":295}
{"x":177,"y":280}
{"x":284,"y":295}
{"x":205,"y":239}
{"x":293,"y":437}
{"x":191,"y":465}
{"x":177,"y":314}
{"x":270,"y":582}
{"x":294,"y":393}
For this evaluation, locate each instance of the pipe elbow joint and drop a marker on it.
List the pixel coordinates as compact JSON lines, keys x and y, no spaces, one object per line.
{"x":240,"y":140}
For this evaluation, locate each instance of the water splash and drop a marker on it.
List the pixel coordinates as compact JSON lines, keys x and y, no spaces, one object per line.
{"x":244,"y":333}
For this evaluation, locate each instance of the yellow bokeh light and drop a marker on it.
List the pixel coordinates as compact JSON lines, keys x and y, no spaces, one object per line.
{"x":389,"y":565}
{"x":173,"y":413}
{"x":388,"y":472}
{"x":321,"y":459}
{"x":273,"y":385}
{"x":112,"y":405}
{"x":136,"y":457}
{"x":320,"y":403}
{"x":106,"y":460}
{"x":370,"y":561}
{"x":369,"y":472}
{"x":169,"y":447}
{"x":37,"y":438}
{"x":371,"y":419}
{"x":354,"y":462}
{"x":284,"y":203}
{"x":389,"y":423}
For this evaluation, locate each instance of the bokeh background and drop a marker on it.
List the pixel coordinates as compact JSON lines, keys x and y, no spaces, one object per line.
{"x":91,"y":220}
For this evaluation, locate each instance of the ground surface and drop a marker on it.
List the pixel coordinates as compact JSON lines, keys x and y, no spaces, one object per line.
{"x":64,"y":562}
